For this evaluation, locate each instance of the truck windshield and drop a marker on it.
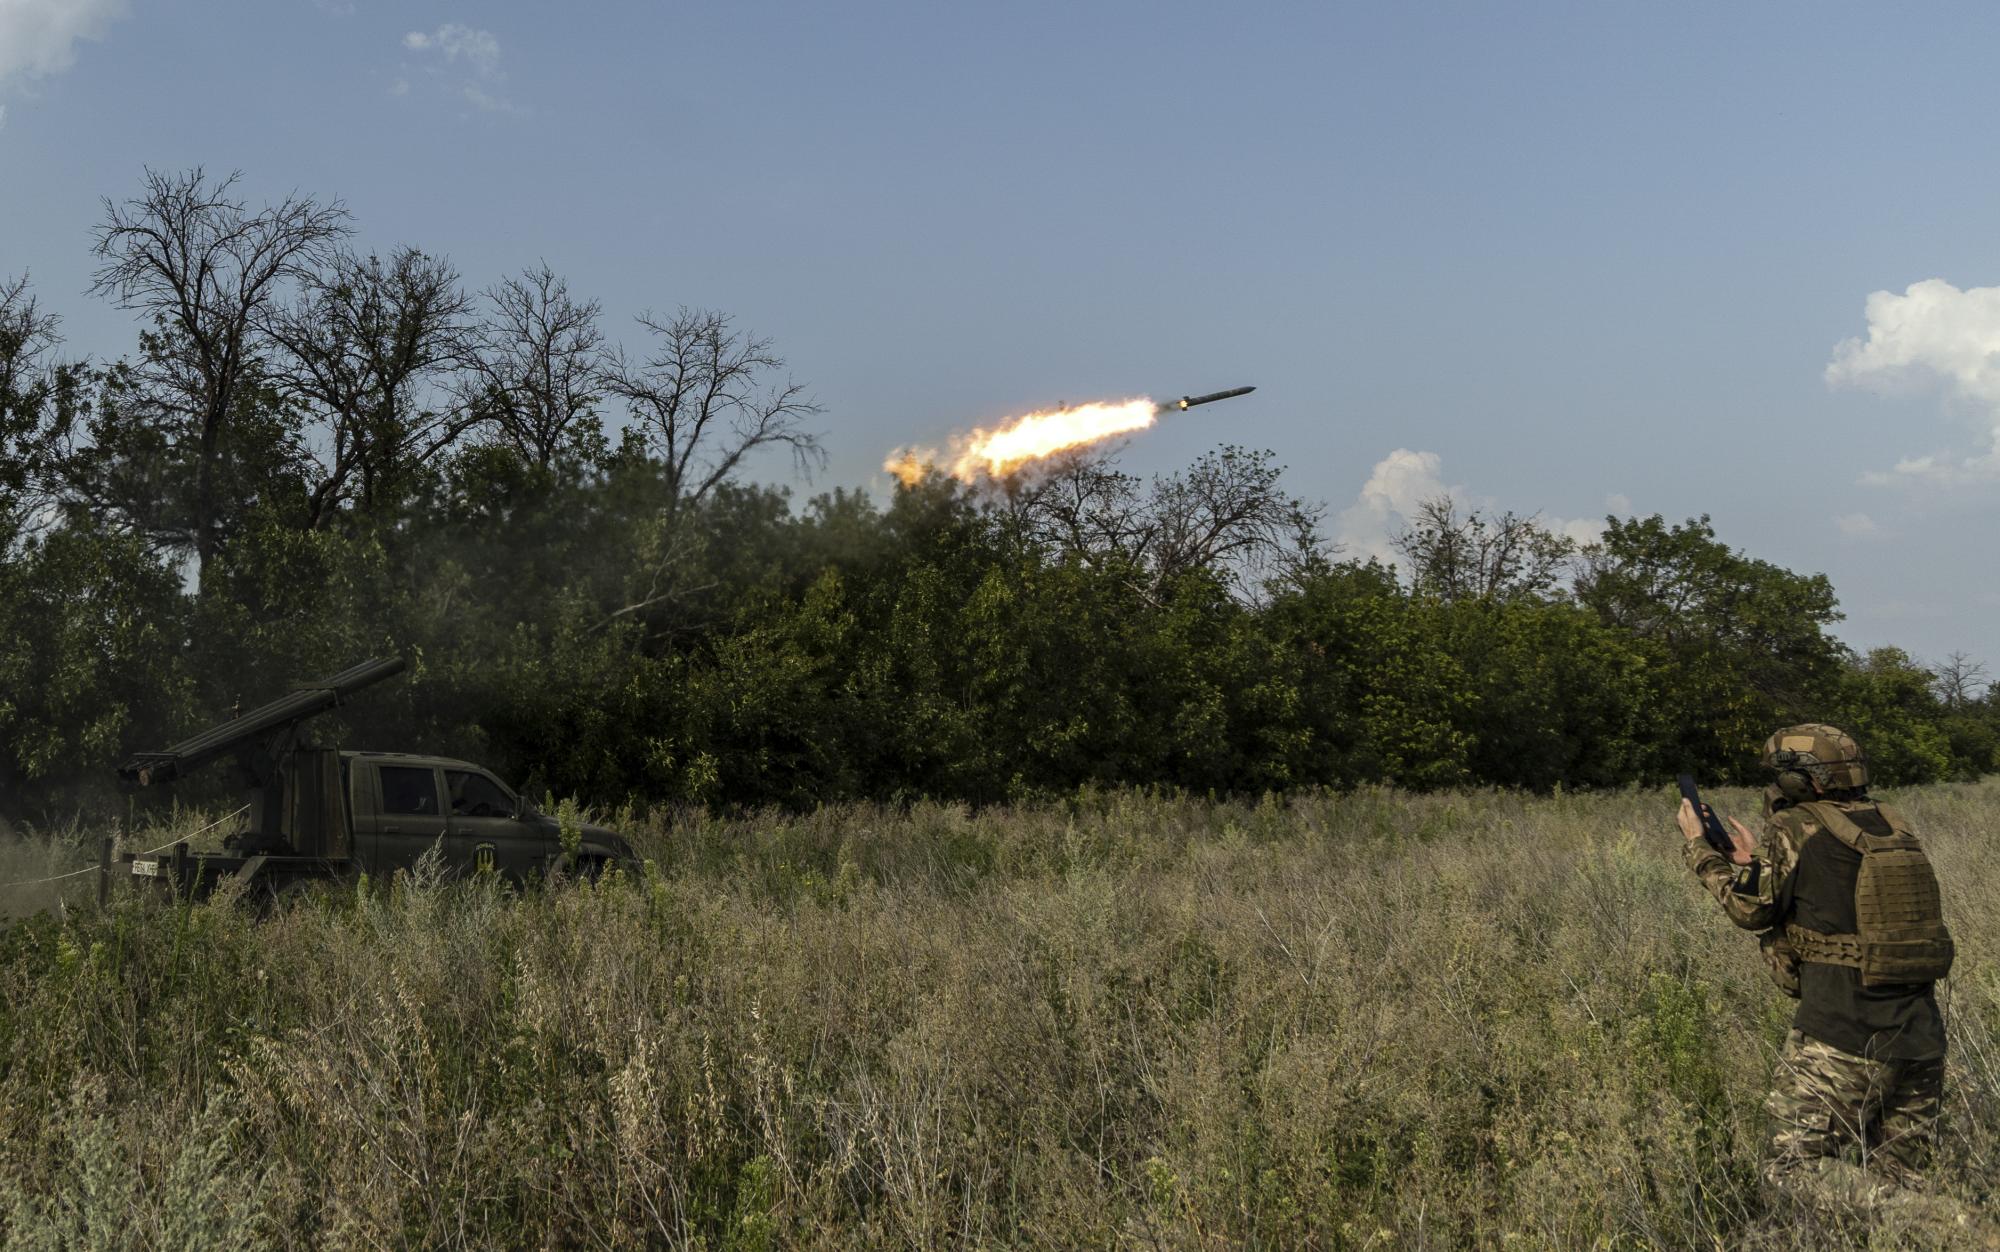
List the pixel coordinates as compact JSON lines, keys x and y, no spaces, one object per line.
{"x":476,"y":795}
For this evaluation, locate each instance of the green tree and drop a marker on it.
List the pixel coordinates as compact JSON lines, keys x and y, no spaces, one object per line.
{"x":1888,"y":701}
{"x":1554,"y":695}
{"x":1382,"y":701}
{"x":41,"y":399}
{"x":1733,"y":645}
{"x":91,"y":664}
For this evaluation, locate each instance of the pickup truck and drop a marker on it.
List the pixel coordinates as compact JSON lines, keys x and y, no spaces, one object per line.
{"x":324,"y":814}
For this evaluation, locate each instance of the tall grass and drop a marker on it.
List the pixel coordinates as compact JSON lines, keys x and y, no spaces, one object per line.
{"x":1341,"y":1021}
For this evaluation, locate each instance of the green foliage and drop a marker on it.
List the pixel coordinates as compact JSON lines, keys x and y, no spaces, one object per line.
{"x":576,"y":616}
{"x":91,"y":637}
{"x":569,"y":826}
{"x":769,"y":656}
{"x":1733,"y":646}
{"x":1887,"y":700}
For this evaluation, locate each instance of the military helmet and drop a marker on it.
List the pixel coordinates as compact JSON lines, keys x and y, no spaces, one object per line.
{"x":1828,"y":755}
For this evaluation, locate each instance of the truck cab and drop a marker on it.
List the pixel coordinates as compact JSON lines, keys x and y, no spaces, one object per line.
{"x":402,"y":805}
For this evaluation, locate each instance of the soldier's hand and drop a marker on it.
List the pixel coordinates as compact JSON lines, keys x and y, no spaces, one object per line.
{"x":1689,"y":821}
{"x":1742,"y":842}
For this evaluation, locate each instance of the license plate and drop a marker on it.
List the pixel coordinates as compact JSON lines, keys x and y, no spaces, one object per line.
{"x":149,"y":869}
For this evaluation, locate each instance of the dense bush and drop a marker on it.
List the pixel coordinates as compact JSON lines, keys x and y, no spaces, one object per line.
{"x":841,"y":652}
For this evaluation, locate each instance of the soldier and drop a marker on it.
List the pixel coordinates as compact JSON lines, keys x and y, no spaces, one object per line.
{"x":1849,"y":914}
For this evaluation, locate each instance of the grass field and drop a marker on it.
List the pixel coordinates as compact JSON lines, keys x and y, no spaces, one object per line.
{"x":1341,"y":1021}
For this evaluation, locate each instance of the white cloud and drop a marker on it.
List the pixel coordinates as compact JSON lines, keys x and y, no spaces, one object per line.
{"x":1856,"y":525}
{"x":471,"y":64}
{"x":1933,"y":328}
{"x":38,"y":37}
{"x":1580,"y":529}
{"x":478,"y":49}
{"x":1404,"y":480}
{"x":1396,"y":486}
{"x":1930,"y":336}
{"x":479,"y":98}
{"x":1940,"y":471}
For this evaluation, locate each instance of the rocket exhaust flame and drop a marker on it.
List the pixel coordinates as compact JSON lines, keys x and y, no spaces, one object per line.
{"x":999,"y":451}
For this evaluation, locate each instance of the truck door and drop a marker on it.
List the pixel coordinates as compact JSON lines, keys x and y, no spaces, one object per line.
{"x":484,"y":832}
{"x":409,"y":816}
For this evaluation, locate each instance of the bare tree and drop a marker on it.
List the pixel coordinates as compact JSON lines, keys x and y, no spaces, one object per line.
{"x":1479,"y":557}
{"x":540,"y":363}
{"x":707,"y":396}
{"x":704,"y":397}
{"x":1226,"y":514}
{"x":191,"y":255}
{"x":1960,"y":681}
{"x":1077,"y":503}
{"x":368,"y":349}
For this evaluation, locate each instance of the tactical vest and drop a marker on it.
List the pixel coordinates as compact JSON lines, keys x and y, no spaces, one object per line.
{"x":1901,"y":936}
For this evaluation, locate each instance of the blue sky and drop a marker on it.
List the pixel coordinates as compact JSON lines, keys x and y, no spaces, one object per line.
{"x":1555,"y":258}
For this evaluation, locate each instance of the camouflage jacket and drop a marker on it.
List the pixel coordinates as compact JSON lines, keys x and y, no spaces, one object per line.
{"x":1895,"y":1022}
{"x":1752,"y":895}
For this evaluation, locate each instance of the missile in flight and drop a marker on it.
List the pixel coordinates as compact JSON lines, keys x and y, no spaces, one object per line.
{"x":1188,"y":402}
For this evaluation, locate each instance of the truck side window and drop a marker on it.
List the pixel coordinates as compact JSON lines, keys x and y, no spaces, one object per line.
{"x":409,"y":789}
{"x":476,"y":795}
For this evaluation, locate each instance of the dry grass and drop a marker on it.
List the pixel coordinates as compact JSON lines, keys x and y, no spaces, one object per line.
{"x":1336,"y":1021}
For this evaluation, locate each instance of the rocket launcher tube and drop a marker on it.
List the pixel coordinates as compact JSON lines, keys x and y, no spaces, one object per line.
{"x":311,"y":700}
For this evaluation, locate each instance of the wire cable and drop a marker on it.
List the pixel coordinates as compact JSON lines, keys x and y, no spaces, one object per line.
{"x":92,"y":869}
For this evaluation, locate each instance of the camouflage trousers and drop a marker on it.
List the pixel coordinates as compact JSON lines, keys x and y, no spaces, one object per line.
{"x":1825,"y":1101}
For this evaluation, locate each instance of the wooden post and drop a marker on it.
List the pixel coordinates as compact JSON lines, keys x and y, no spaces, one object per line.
{"x":103,"y":873}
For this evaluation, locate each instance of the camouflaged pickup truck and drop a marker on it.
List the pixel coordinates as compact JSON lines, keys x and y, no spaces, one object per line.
{"x":318,"y":813}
